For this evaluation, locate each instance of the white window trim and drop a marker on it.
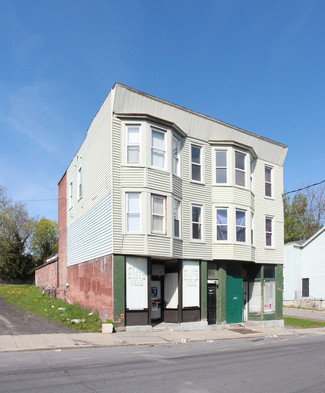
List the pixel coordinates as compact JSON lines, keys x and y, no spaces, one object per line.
{"x":271,"y":182}
{"x":177,"y":157}
{"x":221,"y":167}
{"x":241,"y":170}
{"x":179,"y":219}
{"x":80,"y":183}
{"x":127,"y":144}
{"x":133,"y":212}
{"x":164,"y":215}
{"x":272,"y":231}
{"x":244,"y":211}
{"x":70,"y":196}
{"x":200,"y":164}
{"x":202,"y":223}
{"x":157,"y":149}
{"x":216,"y":226}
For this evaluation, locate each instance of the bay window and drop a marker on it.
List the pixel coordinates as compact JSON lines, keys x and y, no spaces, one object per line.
{"x":133,"y":212}
{"x":240,"y":171}
{"x":158,"y":151}
{"x":158,"y":214}
{"x":133,"y":145}
{"x":221,"y":166}
{"x":222,"y":224}
{"x":240,"y":226}
{"x":197,"y":222}
{"x":196,"y":164}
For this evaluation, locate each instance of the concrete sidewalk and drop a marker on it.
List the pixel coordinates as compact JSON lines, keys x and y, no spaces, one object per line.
{"x":59,"y":341}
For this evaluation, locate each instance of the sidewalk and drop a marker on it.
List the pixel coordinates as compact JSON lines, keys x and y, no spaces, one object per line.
{"x":59,"y":341}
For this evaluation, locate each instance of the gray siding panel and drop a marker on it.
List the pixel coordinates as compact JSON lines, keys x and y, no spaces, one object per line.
{"x":90,"y":236}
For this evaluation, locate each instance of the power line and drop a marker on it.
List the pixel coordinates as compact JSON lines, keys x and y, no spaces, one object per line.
{"x":304,"y":188}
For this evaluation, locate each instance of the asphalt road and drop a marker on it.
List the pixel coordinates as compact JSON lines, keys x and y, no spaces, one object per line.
{"x":293,"y":364}
{"x":306,"y":314}
{"x":14,"y":321}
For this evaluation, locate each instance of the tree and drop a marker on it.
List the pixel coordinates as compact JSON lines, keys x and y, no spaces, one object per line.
{"x":304,"y":214}
{"x":16,"y":228}
{"x":44,"y":242}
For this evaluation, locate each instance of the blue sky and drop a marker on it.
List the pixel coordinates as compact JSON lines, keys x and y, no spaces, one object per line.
{"x":258,"y":65}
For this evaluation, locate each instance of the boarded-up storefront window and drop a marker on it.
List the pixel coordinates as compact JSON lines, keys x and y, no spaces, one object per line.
{"x":255,"y":301}
{"x":136,"y":283}
{"x":191,"y":284}
{"x":171,"y":290}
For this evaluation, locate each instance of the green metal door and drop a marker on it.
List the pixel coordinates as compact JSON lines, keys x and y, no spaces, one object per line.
{"x":234,"y":299}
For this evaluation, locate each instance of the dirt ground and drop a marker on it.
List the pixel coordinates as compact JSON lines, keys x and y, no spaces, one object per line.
{"x":15,"y":322}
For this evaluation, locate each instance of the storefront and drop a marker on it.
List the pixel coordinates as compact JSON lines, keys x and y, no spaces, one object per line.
{"x":162,"y":291}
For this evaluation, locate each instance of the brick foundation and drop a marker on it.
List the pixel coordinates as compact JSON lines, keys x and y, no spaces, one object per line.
{"x":91,"y":286}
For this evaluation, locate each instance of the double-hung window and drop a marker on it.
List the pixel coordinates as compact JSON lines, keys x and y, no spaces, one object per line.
{"x":268,"y":181}
{"x":158,"y":214}
{"x":221,"y":166}
{"x":133,"y":145}
{"x":79,"y":183}
{"x":222,"y":224}
{"x":196,"y":163}
{"x":268,"y":231}
{"x":175,"y":157}
{"x":158,"y":151}
{"x":240,"y":171}
{"x":240,"y":225}
{"x":176,"y":212}
{"x":197,"y":222}
{"x":133,"y":212}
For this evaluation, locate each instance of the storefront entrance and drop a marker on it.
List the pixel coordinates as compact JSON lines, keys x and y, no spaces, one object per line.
{"x":156,"y":300}
{"x":212,"y":317}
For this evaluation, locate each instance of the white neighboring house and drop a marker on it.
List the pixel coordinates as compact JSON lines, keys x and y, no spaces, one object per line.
{"x":304,"y":271}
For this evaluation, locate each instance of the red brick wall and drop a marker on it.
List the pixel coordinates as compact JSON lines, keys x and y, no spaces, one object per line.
{"x":45,"y":276}
{"x":62,"y":242}
{"x":90,"y":285}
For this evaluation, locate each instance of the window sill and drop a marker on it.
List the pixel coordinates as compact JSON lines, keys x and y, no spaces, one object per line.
{"x":197,"y":182}
{"x":197,"y":241}
{"x":269,"y":198}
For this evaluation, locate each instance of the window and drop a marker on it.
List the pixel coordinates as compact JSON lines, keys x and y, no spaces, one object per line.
{"x":133,"y":212}
{"x":268,"y":181}
{"x":221,"y":166}
{"x":177,"y":205}
{"x":240,"y":226}
{"x":133,"y":145}
{"x":268,"y":231}
{"x":252,"y":228}
{"x":176,"y":150}
{"x":79,"y":183}
{"x":240,"y":173}
{"x":196,"y":163}
{"x":196,"y":222}
{"x":222,"y":224}
{"x":305,"y":287}
{"x":70,"y":194}
{"x":158,"y":206}
{"x":158,"y":149}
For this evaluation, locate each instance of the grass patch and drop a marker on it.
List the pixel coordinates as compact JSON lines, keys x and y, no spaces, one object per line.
{"x":30,"y":298}
{"x":300,"y":323}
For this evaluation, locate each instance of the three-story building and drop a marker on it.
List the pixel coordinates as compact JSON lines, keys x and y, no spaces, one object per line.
{"x":169,"y":215}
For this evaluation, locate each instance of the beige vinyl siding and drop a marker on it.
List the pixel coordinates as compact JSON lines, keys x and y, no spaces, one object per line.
{"x":232,"y":251}
{"x":177,"y":187}
{"x":133,"y":176}
{"x":272,"y":207}
{"x":177,"y":248}
{"x":159,"y":180}
{"x":117,"y":186}
{"x":94,"y":156}
{"x":159,"y":246}
{"x":134,"y":244}
{"x":200,"y":194}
